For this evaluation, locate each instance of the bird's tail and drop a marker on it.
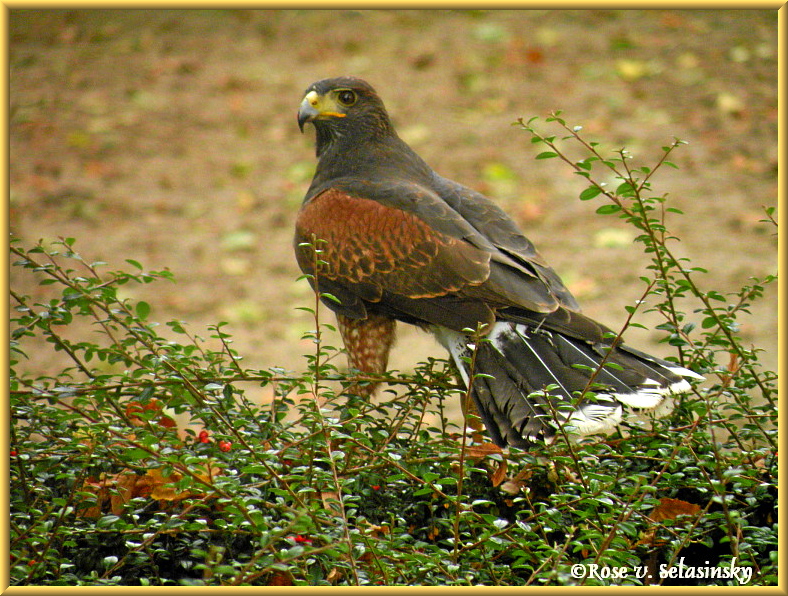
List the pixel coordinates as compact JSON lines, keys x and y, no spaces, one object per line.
{"x":528,"y":381}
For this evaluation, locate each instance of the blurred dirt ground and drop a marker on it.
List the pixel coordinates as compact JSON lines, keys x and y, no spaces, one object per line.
{"x":170,"y":137}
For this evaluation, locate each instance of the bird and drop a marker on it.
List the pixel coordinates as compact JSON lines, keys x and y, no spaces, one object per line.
{"x":384,"y":239}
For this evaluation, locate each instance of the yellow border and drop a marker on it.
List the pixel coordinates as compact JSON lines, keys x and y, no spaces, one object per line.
{"x":374,"y":4}
{"x":781,"y":319}
{"x":4,"y":281}
{"x":6,"y":6}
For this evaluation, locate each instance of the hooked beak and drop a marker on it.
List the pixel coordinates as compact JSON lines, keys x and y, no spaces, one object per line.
{"x":314,"y":107}
{"x":309,"y":109}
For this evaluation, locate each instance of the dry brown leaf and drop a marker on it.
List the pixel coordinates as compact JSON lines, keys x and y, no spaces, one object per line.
{"x":161,"y":486}
{"x":330,"y":499}
{"x":497,"y":476}
{"x":731,"y":370}
{"x":127,"y":486}
{"x":671,"y":508}
{"x":162,"y":492}
{"x":483,"y":450}
{"x":366,"y":557}
{"x":334,"y":575}
{"x":432,"y":532}
{"x":124,"y":486}
{"x":117,"y":489}
{"x":649,"y":537}
{"x":97,"y":486}
{"x":668,"y":509}
{"x":280,"y":578}
{"x":377,"y":531}
{"x":133,"y":408}
{"x":513,"y":486}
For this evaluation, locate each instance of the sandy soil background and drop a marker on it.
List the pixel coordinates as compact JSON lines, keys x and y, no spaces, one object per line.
{"x":170,"y":137}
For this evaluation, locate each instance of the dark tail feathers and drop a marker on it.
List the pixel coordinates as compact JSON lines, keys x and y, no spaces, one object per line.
{"x":516,"y":363}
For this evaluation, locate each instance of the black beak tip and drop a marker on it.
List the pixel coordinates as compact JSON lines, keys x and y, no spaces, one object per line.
{"x":304,"y":116}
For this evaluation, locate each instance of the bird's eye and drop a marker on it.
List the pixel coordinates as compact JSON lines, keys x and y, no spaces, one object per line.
{"x":346,"y":97}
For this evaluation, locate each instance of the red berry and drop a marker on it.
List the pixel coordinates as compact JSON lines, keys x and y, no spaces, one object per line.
{"x":13,"y":453}
{"x":225,"y":446}
{"x":299,"y":538}
{"x":375,"y":487}
{"x":203,"y":436}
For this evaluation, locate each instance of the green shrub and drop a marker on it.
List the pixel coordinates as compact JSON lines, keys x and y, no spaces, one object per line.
{"x":317,"y":488}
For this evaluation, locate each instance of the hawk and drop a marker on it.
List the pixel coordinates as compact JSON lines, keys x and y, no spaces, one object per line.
{"x":398,"y":242}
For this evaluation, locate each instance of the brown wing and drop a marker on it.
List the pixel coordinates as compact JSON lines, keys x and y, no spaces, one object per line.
{"x":379,"y":257}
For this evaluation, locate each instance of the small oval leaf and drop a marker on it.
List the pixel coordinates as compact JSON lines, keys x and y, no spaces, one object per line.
{"x":608,"y":209}
{"x":143,"y":310}
{"x":589,"y":193}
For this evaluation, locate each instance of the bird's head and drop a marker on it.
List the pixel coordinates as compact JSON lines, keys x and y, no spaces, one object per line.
{"x":344,"y":108}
